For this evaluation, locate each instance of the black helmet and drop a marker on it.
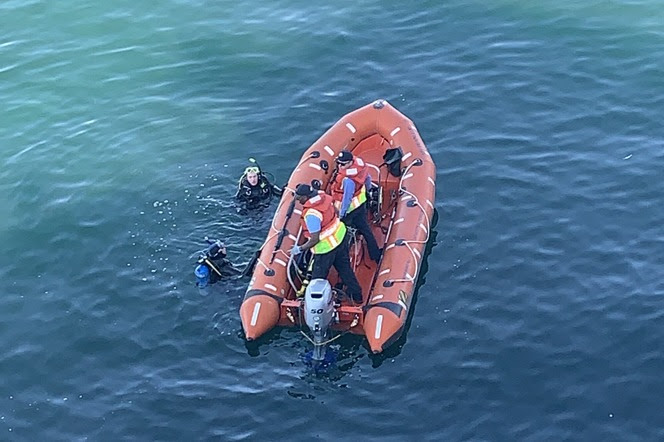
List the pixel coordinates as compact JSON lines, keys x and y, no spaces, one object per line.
{"x":305,"y":190}
{"x":344,"y":157}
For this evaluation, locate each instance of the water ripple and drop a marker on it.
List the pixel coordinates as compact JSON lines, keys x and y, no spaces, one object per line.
{"x":126,"y":127}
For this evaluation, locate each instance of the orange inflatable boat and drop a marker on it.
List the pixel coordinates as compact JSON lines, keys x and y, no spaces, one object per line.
{"x":400,"y":209}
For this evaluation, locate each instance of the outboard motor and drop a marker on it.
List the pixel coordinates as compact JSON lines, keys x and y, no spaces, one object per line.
{"x":319,"y":314}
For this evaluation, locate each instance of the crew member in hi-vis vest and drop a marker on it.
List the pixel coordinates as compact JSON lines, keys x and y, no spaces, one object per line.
{"x":326,"y":237}
{"x":349,"y":191}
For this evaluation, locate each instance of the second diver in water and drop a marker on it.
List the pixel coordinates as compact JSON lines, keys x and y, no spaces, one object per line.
{"x":212,"y":265}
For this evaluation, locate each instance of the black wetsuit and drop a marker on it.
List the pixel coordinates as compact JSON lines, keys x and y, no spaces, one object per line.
{"x":258,"y":195}
{"x":214,"y":258}
{"x":226,"y":269}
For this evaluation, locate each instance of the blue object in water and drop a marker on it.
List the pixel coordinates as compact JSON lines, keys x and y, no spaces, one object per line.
{"x":323,"y":366}
{"x":202,"y":273}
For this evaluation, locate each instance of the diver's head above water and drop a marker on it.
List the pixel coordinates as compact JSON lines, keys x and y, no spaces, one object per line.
{"x":252,"y":175}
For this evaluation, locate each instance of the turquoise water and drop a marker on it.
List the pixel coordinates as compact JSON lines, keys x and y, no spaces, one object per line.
{"x":126,"y":125}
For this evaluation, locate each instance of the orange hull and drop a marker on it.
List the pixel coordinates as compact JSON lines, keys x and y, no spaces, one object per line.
{"x":403,"y":230}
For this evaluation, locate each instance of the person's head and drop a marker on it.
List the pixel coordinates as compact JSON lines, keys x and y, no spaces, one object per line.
{"x":251,"y":174}
{"x":217,"y":249}
{"x":303,"y":192}
{"x":344,"y":159}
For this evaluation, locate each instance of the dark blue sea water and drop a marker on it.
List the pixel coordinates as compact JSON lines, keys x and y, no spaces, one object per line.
{"x":126,"y":124}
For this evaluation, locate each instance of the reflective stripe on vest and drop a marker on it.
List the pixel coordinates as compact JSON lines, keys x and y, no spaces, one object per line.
{"x":332,"y":229}
{"x":357,"y":165}
{"x":357,"y":173}
{"x":330,"y":237}
{"x":359,"y":199}
{"x":315,"y":213}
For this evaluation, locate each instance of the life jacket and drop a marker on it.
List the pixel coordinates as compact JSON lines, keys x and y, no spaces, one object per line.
{"x":357,"y":172}
{"x":332,"y":230}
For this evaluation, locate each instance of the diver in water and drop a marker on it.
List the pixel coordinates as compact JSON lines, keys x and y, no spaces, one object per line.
{"x":254,"y":188}
{"x":212,"y":265}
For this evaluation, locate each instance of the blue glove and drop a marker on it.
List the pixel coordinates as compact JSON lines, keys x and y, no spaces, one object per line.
{"x":296,"y":250}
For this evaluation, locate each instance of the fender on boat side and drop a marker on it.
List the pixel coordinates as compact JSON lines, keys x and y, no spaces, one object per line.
{"x":391,"y":306}
{"x":255,"y":292}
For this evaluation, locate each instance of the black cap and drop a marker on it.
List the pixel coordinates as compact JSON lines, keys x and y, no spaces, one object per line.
{"x":304,"y":190}
{"x":344,"y":157}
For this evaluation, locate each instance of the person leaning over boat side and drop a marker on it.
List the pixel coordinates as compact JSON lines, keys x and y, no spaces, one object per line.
{"x":349,"y":189}
{"x":254,"y":189}
{"x":327,"y":238}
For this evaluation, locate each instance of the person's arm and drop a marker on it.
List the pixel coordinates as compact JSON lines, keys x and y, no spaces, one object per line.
{"x":243,"y":193}
{"x":278,"y":191}
{"x":367,"y":182}
{"x":228,"y":269}
{"x":274,"y":189}
{"x":349,"y":190}
{"x":314,"y":227}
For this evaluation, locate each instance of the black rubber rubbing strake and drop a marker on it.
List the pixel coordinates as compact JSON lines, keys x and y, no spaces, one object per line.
{"x":256,"y":292}
{"x":391,"y":306}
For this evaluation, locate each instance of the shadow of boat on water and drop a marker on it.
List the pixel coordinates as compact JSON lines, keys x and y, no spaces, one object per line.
{"x":266,"y":340}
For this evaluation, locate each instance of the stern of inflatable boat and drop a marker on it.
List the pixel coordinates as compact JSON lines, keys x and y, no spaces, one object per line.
{"x":259,"y":313}
{"x":382,"y":327}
